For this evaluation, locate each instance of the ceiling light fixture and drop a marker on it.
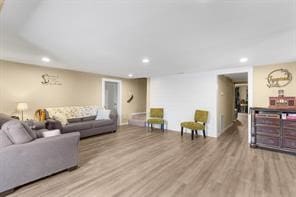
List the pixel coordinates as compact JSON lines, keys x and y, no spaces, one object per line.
{"x":130,"y":75}
{"x":243,"y":59}
{"x":45,"y":59}
{"x":145,"y":60}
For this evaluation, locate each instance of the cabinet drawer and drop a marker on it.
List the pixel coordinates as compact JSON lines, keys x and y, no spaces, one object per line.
{"x":267,"y":115}
{"x":289,"y":143}
{"x":268,"y":130}
{"x":266,"y":140}
{"x":268,"y":121}
{"x":289,"y":132}
{"x":290,"y":124}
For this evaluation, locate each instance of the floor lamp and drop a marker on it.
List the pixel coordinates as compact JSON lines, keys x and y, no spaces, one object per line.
{"x":22,"y":107}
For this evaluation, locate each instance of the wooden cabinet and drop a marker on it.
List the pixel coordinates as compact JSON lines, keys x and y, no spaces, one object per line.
{"x":272,"y":129}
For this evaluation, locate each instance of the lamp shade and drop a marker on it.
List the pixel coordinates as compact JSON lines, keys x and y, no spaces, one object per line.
{"x":22,"y":106}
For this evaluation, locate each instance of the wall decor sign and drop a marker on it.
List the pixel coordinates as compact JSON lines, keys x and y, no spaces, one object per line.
{"x":279,"y":78}
{"x":50,"y":79}
{"x":131,"y":97}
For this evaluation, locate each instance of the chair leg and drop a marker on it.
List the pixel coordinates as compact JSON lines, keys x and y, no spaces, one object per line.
{"x":182,"y":130}
{"x":162,"y":127}
{"x":204,"y":133}
{"x":196,"y":133}
{"x":151,"y":126}
{"x":192,"y":134}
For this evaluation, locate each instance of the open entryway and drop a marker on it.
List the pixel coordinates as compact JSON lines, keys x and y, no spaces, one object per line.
{"x":111,"y":96}
{"x":233,"y":100}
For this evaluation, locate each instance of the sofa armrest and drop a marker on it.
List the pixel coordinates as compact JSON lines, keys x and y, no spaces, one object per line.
{"x":53,"y":124}
{"x":23,"y":163}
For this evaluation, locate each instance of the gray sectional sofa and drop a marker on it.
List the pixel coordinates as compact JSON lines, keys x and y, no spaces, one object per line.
{"x":25,"y":158}
{"x":84,"y":123}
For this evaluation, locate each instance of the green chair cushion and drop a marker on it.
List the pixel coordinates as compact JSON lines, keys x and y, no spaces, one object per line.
{"x":193,"y":125}
{"x":156,"y":112}
{"x":155,"y":121}
{"x":201,"y":116}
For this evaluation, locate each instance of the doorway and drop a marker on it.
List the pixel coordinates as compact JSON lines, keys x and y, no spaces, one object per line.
{"x":232,"y":100}
{"x":111,"y":96}
{"x":241,"y":97}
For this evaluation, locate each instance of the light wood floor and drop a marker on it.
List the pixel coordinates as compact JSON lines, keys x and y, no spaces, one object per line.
{"x":134,"y":162}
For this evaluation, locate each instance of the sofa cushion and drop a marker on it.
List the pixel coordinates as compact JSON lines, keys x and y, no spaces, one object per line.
{"x":74,"y":120}
{"x":16,"y":132}
{"x":101,"y":123}
{"x":4,"y":118}
{"x":77,"y":126}
{"x":88,"y":118}
{"x":4,"y":140}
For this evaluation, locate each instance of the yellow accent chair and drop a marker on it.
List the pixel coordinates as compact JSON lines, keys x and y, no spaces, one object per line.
{"x":156,"y":117}
{"x":200,"y":120}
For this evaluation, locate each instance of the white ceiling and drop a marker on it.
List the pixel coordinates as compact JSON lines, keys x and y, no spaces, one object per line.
{"x":238,"y":77}
{"x":112,"y":36}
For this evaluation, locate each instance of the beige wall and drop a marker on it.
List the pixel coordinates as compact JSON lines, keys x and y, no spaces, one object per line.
{"x":148,"y":97}
{"x":137,"y":87}
{"x":262,"y":92}
{"x":225,"y":102}
{"x":1,"y":4}
{"x":22,"y":83}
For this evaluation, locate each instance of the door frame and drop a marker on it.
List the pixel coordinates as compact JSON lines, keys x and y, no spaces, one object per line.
{"x":250,"y":71}
{"x":119,"y":101}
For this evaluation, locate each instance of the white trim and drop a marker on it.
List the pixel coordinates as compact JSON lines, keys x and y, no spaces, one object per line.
{"x":249,"y":70}
{"x":124,"y":123}
{"x":250,"y":100}
{"x":119,"y":102}
{"x":138,"y":113}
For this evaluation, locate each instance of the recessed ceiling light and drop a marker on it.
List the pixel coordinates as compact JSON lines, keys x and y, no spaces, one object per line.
{"x":130,"y":75}
{"x":145,"y":60}
{"x":45,"y":59}
{"x":243,"y":59}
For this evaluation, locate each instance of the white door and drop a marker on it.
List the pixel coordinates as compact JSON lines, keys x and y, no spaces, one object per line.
{"x":111,"y":96}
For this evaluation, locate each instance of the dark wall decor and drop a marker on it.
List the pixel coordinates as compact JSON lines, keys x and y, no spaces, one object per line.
{"x":131,"y":97}
{"x":50,"y":79}
{"x":279,"y":78}
{"x":282,"y":101}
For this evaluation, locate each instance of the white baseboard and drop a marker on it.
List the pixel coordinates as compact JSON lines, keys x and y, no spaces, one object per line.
{"x":123,"y":123}
{"x":137,"y":113}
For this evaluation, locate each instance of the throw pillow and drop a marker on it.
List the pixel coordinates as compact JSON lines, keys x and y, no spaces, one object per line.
{"x":16,"y":132}
{"x":103,"y":114}
{"x":4,"y":140}
{"x":60,"y":117}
